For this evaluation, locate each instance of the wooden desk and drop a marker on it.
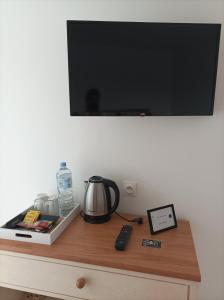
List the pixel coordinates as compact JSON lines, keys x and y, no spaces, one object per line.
{"x":87,"y":251}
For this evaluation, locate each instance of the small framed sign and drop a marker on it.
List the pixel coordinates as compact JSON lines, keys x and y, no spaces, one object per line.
{"x":162,"y":218}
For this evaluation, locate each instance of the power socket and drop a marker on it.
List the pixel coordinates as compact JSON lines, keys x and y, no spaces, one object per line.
{"x":129,"y":188}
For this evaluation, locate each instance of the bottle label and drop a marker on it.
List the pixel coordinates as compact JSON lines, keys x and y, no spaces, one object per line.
{"x":64,"y":183}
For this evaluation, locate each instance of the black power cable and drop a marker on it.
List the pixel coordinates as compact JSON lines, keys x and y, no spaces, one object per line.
{"x":138,"y":220}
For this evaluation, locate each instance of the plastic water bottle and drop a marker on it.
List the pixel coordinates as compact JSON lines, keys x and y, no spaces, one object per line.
{"x":64,"y":185}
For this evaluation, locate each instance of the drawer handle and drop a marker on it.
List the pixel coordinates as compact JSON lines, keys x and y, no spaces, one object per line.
{"x":80,"y":283}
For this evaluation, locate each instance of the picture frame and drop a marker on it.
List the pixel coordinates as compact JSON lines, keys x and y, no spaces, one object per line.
{"x":162,"y":218}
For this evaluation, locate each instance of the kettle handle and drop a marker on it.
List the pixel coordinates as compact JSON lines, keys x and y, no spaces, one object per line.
{"x":112,"y":184}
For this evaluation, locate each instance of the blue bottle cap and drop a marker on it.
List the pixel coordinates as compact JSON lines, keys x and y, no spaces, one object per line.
{"x":62,"y":164}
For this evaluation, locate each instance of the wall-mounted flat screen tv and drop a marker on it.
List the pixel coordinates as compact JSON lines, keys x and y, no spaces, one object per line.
{"x":138,"y":68}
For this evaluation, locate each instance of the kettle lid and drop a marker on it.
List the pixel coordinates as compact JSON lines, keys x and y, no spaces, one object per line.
{"x":96,"y":179}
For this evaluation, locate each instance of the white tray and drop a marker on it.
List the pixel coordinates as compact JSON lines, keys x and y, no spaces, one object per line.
{"x":39,"y":237}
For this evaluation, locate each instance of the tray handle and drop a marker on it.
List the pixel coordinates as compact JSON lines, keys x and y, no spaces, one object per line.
{"x":29,"y":236}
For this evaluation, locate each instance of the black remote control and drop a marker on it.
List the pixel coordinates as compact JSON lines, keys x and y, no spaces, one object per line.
{"x":123,"y":237}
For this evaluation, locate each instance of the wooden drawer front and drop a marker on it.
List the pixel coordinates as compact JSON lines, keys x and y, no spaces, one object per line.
{"x":61,"y":279}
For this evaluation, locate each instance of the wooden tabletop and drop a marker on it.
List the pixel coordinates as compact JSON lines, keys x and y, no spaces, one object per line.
{"x":94,"y":244}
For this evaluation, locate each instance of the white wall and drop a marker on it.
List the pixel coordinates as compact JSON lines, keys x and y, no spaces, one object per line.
{"x":176,"y":160}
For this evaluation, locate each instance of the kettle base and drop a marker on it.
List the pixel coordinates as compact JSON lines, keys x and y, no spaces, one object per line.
{"x":96,"y":219}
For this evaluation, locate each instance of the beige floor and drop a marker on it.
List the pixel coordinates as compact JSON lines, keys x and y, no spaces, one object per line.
{"x":8,"y":294}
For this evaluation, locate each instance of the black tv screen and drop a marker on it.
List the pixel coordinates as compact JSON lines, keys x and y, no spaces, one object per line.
{"x":137,"y":68}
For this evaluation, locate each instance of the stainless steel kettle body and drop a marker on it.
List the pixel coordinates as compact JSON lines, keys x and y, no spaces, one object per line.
{"x":97,"y":201}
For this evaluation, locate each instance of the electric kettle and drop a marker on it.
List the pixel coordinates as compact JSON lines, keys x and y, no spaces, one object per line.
{"x":97,"y":201}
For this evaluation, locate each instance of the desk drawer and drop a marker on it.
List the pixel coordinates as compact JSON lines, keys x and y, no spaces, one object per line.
{"x":61,"y":279}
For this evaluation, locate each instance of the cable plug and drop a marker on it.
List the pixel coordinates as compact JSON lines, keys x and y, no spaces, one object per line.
{"x":138,"y":220}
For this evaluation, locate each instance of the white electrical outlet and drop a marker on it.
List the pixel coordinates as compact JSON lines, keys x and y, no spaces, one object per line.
{"x":130,"y":188}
